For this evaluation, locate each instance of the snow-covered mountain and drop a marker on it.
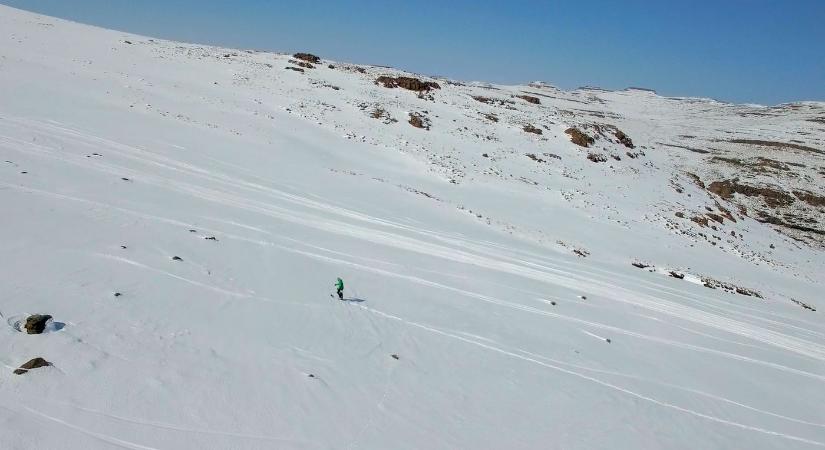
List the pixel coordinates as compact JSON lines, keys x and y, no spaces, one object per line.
{"x":524,"y":267}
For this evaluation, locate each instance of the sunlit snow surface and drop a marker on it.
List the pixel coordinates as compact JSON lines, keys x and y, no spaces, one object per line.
{"x":116,"y":157}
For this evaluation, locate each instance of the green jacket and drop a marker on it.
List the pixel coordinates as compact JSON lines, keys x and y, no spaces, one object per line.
{"x":339,"y":284}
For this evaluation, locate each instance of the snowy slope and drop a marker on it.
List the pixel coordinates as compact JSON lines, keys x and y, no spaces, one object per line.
{"x":502,"y":283}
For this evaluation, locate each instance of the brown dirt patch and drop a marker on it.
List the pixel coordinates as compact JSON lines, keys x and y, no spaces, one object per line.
{"x":579,"y":138}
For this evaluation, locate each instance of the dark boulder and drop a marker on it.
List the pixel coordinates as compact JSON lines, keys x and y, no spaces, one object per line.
{"x":32,"y":364}
{"x":308,"y":57}
{"x":35,"y":324}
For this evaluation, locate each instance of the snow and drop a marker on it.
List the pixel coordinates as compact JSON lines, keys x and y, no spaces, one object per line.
{"x":136,"y":153}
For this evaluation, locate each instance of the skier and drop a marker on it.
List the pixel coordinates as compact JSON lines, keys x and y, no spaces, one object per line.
{"x":339,"y":286}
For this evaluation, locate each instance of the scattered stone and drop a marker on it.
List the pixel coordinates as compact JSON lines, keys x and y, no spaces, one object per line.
{"x":331,"y":66}
{"x":117,"y":294}
{"x":677,"y":275}
{"x":680,"y":214}
{"x":211,"y":238}
{"x":773,"y":246}
{"x":193,"y":231}
{"x":624,"y":139}
{"x":32,"y":364}
{"x":596,"y":157}
{"x":128,"y":42}
{"x":123,"y":247}
{"x":36,"y":323}
{"x":485,"y":155}
{"x":701,"y":220}
{"x":531,"y":129}
{"x":608,"y":340}
{"x":177,"y":258}
{"x":493,"y":101}
{"x":712,"y":283}
{"x":804,"y":305}
{"x":394,"y":356}
{"x":308,"y":57}
{"x":553,"y":303}
{"x":640,"y":265}
{"x":311,"y":375}
{"x":297,"y":69}
{"x":125,"y":179}
{"x":419,"y":121}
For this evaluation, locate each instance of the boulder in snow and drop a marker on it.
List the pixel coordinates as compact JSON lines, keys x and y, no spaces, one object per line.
{"x":32,"y":364}
{"x":36,"y":323}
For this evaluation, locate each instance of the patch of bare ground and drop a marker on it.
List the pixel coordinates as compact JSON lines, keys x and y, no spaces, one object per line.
{"x":409,"y":83}
{"x":624,"y":139}
{"x":774,"y":144}
{"x":696,"y":180}
{"x":596,"y":157}
{"x":493,"y":101}
{"x":712,"y":283}
{"x":382,"y":115}
{"x":810,"y":198}
{"x":764,"y":217}
{"x":303,"y":64}
{"x":772,"y":197}
{"x":530,"y":99}
{"x":531,"y":129}
{"x":308,"y":57}
{"x":419,"y":120}
{"x":804,"y":305}
{"x":579,"y":138}
{"x":759,"y":164}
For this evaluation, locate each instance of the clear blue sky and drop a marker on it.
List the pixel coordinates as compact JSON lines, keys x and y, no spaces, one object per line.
{"x":762,"y":51}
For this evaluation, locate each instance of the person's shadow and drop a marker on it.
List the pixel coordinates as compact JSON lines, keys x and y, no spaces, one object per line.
{"x":353,"y":300}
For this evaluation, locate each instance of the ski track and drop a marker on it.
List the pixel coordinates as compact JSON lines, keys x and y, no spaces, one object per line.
{"x":176,"y":428}
{"x":595,"y":380}
{"x":516,"y":267}
{"x":235,"y":192}
{"x":100,"y":436}
{"x":432,"y":284}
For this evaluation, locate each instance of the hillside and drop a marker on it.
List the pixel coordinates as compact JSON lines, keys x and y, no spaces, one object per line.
{"x":525,"y":267}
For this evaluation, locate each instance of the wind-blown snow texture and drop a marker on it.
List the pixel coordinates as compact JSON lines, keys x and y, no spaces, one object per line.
{"x":502,"y":283}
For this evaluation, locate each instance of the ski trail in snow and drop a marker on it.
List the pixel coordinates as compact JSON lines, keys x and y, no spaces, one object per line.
{"x":378,"y":407}
{"x":606,"y":384}
{"x":668,"y":385}
{"x":198,"y":283}
{"x":601,"y":338}
{"x":434,"y":284}
{"x":167,"y":426}
{"x":103,"y":437}
{"x":497,"y":262}
{"x":564,"y":317}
